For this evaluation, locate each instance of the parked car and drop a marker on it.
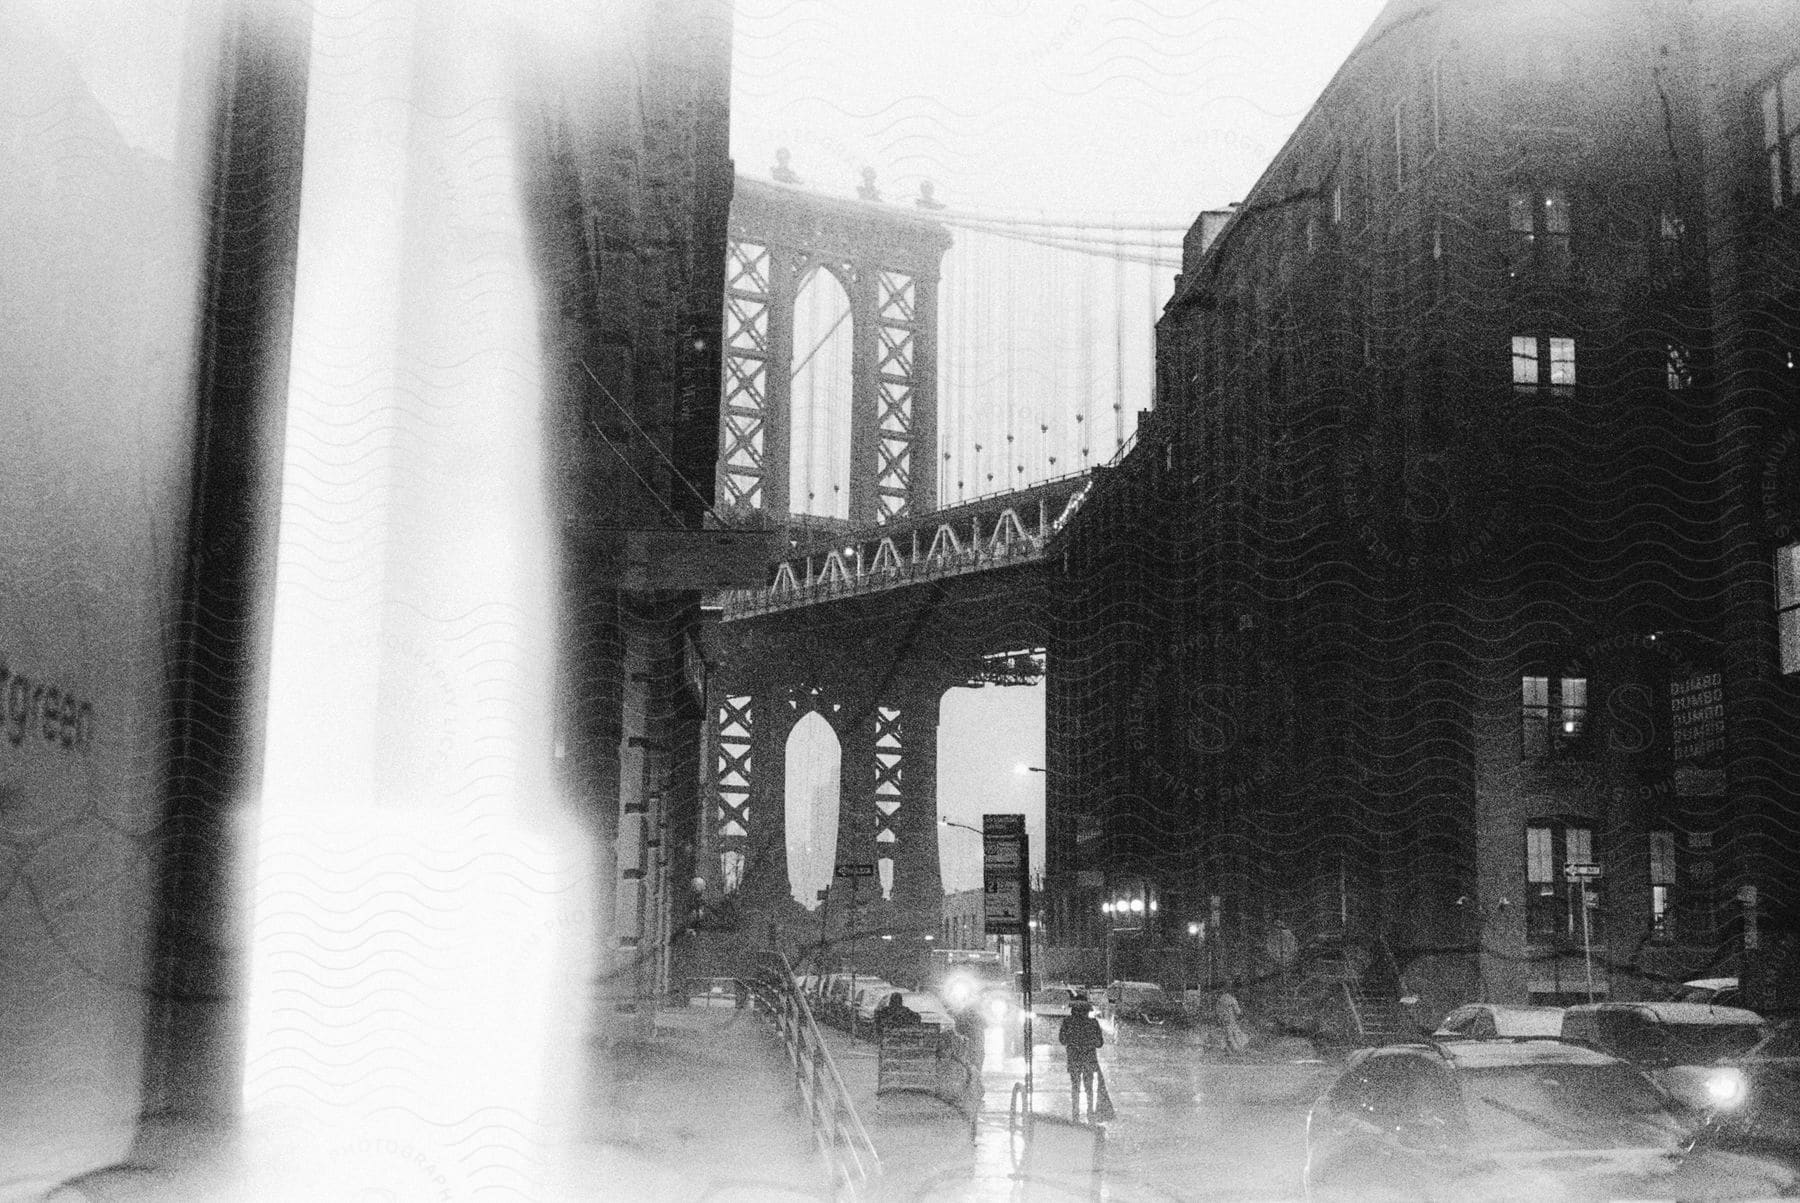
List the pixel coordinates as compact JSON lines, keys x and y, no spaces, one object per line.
{"x":928,"y":1007}
{"x":871,"y":992}
{"x":1684,"y":1047}
{"x":717,"y":992}
{"x":843,"y":989}
{"x":1490,"y":1120}
{"x":1715,"y":991}
{"x":1052,"y":1002}
{"x":1501,"y":1019}
{"x":1144,"y":1002}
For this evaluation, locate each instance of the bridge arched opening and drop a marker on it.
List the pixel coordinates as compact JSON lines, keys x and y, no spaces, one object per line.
{"x":814,"y":767}
{"x":819,"y":398}
{"x":990,"y":741}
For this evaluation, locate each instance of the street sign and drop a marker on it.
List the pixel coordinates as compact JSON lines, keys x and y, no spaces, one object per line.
{"x":1003,"y":874}
{"x":856,"y":869}
{"x":1579,"y":870}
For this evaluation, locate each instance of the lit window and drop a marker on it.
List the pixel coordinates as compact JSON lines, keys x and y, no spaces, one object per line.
{"x":1312,"y":234}
{"x":1662,"y":883}
{"x":1787,"y":605}
{"x":1525,"y":360}
{"x":1781,"y":136}
{"x":1542,"y":361}
{"x":1552,"y":901}
{"x":1539,"y":227}
{"x":1553,"y":715}
{"x":1562,"y":362}
{"x":1337,"y":204}
{"x":1680,"y":372}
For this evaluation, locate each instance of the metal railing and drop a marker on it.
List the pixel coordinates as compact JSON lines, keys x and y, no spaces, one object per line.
{"x":837,"y":1129}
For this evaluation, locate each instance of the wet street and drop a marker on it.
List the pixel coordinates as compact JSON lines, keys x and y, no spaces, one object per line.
{"x":1192,"y":1123}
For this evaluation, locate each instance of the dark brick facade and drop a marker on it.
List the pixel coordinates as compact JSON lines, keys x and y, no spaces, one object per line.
{"x":1441,"y":413}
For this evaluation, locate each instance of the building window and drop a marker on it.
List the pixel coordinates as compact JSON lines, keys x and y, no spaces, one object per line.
{"x":1525,"y":360}
{"x":1337,"y":204}
{"x":1552,"y":902}
{"x":1678,"y":371}
{"x":1553,"y":715}
{"x":1540,"y":362}
{"x":1781,"y":136}
{"x":1562,"y":362}
{"x":1662,"y":884}
{"x":1787,"y":605}
{"x":1538,"y":226}
{"x":1312,"y":234}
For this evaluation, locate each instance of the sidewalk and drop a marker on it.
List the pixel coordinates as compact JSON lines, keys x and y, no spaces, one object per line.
{"x":704,"y":1109}
{"x":929,"y":1151}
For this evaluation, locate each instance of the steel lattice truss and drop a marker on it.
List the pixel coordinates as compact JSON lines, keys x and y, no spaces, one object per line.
{"x":896,"y":330}
{"x":889,"y":754}
{"x":736,"y":721}
{"x":743,"y":419}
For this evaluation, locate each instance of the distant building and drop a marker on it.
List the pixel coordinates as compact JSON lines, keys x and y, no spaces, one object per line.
{"x":962,"y":923}
{"x":1441,"y":564}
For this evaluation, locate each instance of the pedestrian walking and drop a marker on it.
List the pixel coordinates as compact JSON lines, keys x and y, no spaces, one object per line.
{"x":1081,"y":1040}
{"x":1230,"y":1011}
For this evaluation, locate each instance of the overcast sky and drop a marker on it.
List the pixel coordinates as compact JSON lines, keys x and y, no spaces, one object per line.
{"x":1159,"y":107}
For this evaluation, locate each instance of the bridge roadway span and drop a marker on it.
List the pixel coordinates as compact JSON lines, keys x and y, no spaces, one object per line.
{"x":830,"y":560}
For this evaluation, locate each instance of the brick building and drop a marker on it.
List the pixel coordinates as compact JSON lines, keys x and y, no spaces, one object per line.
{"x":1445,"y":574}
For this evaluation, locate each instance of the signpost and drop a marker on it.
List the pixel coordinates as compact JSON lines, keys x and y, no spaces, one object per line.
{"x":855,"y":871}
{"x":1580,"y":873}
{"x":1006,"y":903}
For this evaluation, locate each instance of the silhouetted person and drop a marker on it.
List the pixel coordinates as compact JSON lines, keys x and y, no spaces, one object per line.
{"x":894,"y":1013}
{"x":927,"y":198}
{"x":782,"y":173}
{"x":1081,"y":1040}
{"x":868,"y":191}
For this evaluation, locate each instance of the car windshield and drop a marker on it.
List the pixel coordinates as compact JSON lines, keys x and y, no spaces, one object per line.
{"x":1699,"y":1043}
{"x":1547,"y":1107}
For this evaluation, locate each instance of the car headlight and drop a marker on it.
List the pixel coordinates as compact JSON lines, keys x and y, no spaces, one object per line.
{"x":996,"y":1009}
{"x":1726,"y":1087}
{"x":959,"y":991}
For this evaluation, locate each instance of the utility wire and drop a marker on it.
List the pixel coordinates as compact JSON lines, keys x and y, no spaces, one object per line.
{"x":632,"y":468}
{"x":654,"y":446}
